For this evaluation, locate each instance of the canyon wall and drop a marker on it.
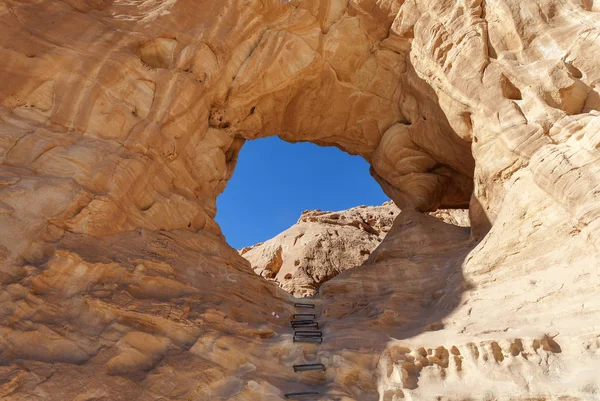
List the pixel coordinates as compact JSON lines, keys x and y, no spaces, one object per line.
{"x":120,"y":124}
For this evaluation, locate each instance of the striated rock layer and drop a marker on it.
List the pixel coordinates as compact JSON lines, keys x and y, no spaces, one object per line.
{"x":323,"y":244}
{"x":120,"y":123}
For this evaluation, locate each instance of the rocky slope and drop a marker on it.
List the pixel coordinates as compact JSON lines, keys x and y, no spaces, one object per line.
{"x":121,"y":121}
{"x":323,"y":244}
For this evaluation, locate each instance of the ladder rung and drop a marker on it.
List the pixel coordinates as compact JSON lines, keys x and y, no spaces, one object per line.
{"x":308,"y":339}
{"x":302,"y":321}
{"x":302,"y":394}
{"x":304,"y":315}
{"x":313,"y":325}
{"x":310,"y":366}
{"x":305,"y":333}
{"x":299,"y":305}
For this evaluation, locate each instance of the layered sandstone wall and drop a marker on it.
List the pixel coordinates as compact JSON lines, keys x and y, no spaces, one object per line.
{"x":120,"y":123}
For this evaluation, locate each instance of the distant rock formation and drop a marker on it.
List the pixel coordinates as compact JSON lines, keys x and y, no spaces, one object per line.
{"x":323,"y":244}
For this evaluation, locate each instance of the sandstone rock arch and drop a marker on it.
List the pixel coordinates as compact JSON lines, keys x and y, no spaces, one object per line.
{"x":120,"y":124}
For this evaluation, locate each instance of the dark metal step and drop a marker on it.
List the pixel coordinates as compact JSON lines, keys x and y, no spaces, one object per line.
{"x":313,"y":325}
{"x":300,"y":305}
{"x":304,"y":315}
{"x":308,"y":333}
{"x":310,"y":366}
{"x":303,"y":321}
{"x":313,"y":340}
{"x":304,"y":394}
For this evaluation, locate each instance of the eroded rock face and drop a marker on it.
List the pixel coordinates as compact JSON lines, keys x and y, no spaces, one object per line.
{"x":323,"y":244}
{"x":120,"y":123}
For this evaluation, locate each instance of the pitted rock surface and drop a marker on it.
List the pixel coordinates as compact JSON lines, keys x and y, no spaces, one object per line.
{"x":321,"y":245}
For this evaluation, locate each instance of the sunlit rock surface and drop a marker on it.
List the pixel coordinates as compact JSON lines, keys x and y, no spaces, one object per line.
{"x":120,"y":123}
{"x":323,"y":244}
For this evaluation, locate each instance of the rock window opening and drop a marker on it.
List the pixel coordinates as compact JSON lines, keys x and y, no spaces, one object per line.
{"x":301,"y":214}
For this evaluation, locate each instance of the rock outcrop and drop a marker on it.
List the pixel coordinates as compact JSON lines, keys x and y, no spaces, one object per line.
{"x":120,"y":124}
{"x":323,"y":244}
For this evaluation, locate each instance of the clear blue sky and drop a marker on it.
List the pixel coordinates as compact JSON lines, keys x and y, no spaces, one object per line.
{"x":274,"y":181}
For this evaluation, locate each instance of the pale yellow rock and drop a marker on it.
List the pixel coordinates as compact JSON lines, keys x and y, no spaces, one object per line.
{"x":120,"y":124}
{"x":323,"y":244}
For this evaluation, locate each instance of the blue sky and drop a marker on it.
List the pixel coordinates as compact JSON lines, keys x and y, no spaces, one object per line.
{"x":274,"y":181}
